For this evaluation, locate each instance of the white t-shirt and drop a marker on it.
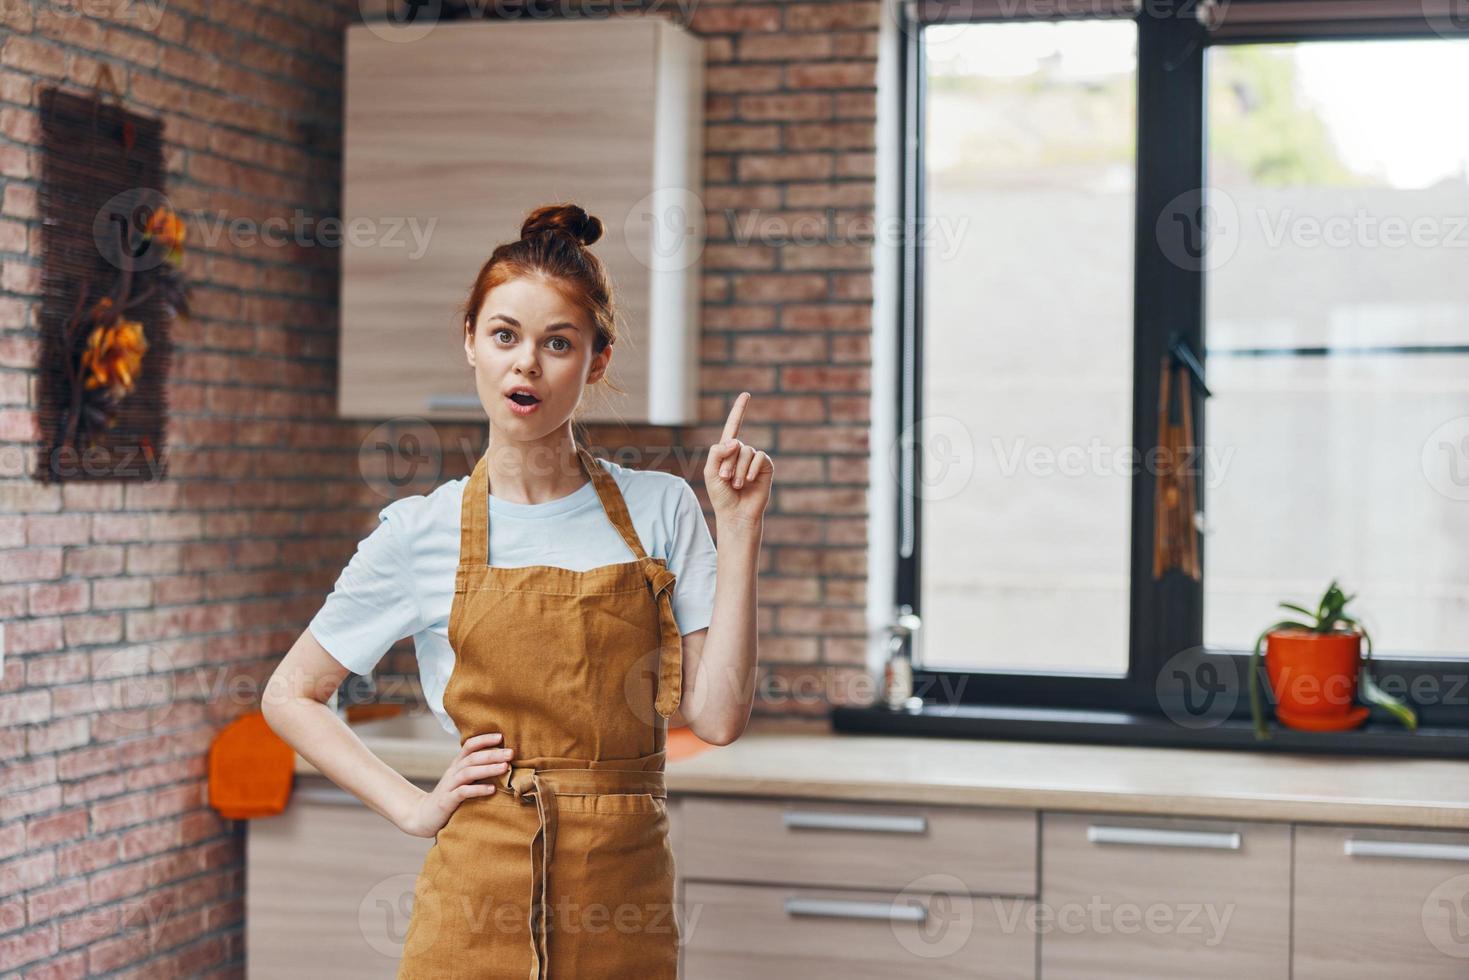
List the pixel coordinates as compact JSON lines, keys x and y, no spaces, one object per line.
{"x":400,"y":581}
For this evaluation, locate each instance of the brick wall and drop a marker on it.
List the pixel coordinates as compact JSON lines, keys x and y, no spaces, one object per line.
{"x":141,"y":617}
{"x":789,"y":184}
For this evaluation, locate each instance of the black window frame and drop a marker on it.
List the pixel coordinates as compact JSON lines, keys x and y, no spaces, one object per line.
{"x":1165,"y":616}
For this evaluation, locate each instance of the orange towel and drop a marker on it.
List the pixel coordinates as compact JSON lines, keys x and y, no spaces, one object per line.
{"x":250,"y":769}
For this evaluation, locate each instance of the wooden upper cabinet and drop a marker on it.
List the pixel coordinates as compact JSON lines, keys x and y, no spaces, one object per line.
{"x":453,"y":135}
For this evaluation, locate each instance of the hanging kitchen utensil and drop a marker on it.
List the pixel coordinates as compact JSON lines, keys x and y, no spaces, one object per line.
{"x":1175,"y":496}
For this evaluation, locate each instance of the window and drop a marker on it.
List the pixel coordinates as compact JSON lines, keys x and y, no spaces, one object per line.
{"x":1337,"y":324}
{"x":1028,"y":175}
{"x":1288,"y":203}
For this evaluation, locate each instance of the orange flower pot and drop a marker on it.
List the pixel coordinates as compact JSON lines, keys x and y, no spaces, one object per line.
{"x":1314,"y":676}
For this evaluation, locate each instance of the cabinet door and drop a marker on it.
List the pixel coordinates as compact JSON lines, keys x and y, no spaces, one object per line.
{"x":1132,"y":898}
{"x":329,"y":889}
{"x":451,"y":140}
{"x":843,"y":844}
{"x":1374,"y":903}
{"x":774,"y":932}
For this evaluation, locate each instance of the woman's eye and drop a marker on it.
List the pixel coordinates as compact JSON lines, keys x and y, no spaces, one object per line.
{"x":562,"y":340}
{"x":502,"y":331}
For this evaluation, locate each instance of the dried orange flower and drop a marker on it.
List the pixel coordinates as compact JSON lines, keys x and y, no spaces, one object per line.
{"x":114,"y":356}
{"x":167,"y":227}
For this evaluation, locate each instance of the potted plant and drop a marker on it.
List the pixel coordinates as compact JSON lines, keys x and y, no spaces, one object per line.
{"x":1316,"y":665}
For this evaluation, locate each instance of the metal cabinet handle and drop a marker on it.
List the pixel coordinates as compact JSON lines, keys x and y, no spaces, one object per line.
{"x":450,"y":403}
{"x":847,"y":909}
{"x":885,"y":823}
{"x":331,"y":794}
{"x":1158,"y":837}
{"x":325,"y":794}
{"x":1418,"y":850}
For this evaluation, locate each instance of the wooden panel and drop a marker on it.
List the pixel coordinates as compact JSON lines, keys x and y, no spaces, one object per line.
{"x":735,"y":932}
{"x":452,"y":138}
{"x":329,"y":889}
{"x":989,"y":851}
{"x":1173,"y":908}
{"x":1399,"y":910}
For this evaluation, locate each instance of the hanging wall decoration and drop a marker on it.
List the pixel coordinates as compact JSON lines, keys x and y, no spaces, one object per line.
{"x":112,"y":282}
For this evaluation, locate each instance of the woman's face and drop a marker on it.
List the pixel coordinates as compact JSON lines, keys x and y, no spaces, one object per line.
{"x":529,"y":336}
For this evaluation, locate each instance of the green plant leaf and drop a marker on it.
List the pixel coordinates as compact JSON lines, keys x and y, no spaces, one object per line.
{"x":1325,"y":600}
{"x":1300,"y":609}
{"x":1376,"y":695}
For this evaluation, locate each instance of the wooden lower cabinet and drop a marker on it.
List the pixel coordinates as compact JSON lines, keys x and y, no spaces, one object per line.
{"x":1146,"y":898}
{"x":776,"y":932}
{"x":806,"y":889}
{"x":328,"y":889}
{"x":1373,"y":903}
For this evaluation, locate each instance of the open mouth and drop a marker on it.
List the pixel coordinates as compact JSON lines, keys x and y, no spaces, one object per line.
{"x":524,"y":398}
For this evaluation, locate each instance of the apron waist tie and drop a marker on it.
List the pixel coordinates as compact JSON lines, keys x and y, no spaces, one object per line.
{"x":543,"y":784}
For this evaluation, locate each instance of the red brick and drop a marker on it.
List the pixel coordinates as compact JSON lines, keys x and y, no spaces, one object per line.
{"x":743,"y":78}
{"x":781,"y":287}
{"x":35,"y":56}
{"x":813,"y":105}
{"x":29,"y":946}
{"x":830,"y":136}
{"x":59,"y":598}
{"x":56,"y":828}
{"x":838,"y":379}
{"x":709,"y":19}
{"x":833,"y":74}
{"x":30,"y":564}
{"x":832,"y":16}
{"x":743,"y":136}
{"x":827,"y":257}
{"x":855,"y":105}
{"x":786,"y":166}
{"x":780,"y":349}
{"x":794,"y":316}
{"x":823,"y":500}
{"x":785,"y":47}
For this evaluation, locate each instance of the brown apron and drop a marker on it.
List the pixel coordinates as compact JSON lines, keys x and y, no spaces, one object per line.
{"x":565,"y":871}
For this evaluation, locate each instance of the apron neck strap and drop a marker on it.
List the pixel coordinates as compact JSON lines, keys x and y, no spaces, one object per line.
{"x":474,"y":517}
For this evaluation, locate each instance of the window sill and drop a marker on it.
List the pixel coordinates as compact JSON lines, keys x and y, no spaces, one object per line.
{"x":1124,"y":728}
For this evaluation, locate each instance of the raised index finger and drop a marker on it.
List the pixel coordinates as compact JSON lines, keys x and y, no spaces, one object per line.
{"x":736,"y":416}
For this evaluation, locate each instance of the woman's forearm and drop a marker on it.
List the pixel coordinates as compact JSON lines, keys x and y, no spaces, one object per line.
{"x":322,"y":738}
{"x":726,"y":671}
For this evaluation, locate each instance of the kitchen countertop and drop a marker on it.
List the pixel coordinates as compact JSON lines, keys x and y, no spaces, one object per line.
{"x":805,"y":759}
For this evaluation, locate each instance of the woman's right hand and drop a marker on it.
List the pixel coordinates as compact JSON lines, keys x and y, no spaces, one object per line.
{"x":477,"y":759}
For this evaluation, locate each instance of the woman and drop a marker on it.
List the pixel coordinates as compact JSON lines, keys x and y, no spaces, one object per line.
{"x":566,"y":656}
